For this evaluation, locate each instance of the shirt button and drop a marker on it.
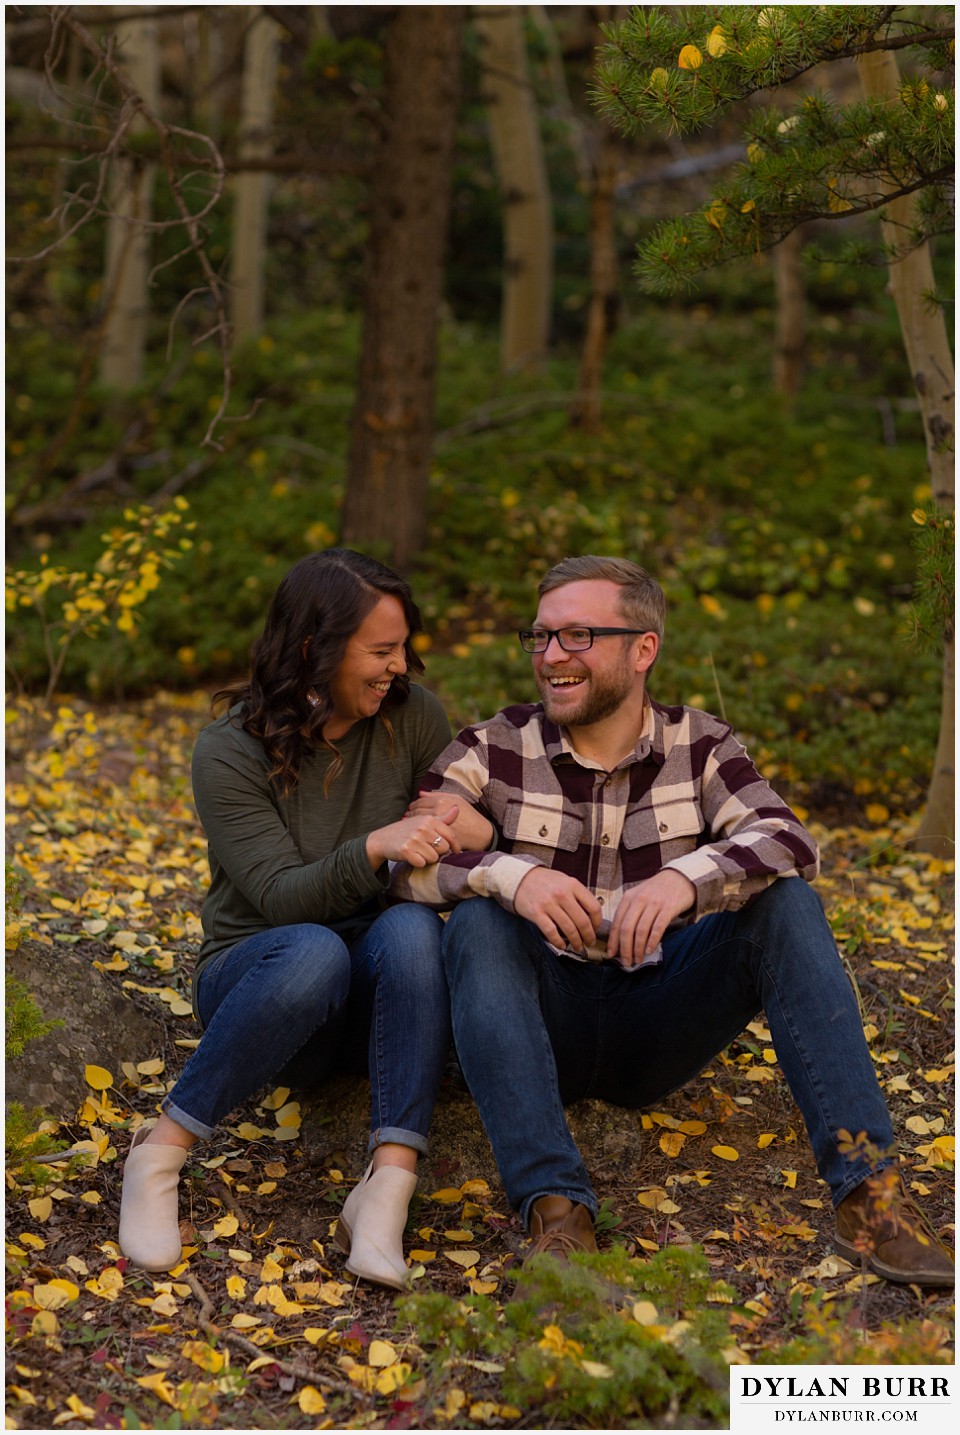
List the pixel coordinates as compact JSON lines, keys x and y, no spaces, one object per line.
{"x":543,"y":831}
{"x":600,"y":900}
{"x":664,"y":827}
{"x":605,"y":840}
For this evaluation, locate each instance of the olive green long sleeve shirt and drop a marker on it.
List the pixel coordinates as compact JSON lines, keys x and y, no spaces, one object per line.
{"x":279,"y":860}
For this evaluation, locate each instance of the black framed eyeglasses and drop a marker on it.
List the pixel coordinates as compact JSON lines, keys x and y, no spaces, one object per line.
{"x":571,"y":640}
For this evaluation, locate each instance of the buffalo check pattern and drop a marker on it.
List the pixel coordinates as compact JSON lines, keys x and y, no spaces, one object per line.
{"x":688,"y":797}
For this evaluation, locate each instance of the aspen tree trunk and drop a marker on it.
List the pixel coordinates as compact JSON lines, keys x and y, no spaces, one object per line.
{"x":391,"y":439}
{"x":931,"y":365}
{"x":528,"y":214}
{"x":127,"y":265}
{"x":791,"y":324}
{"x":586,"y":408}
{"x":252,"y":187}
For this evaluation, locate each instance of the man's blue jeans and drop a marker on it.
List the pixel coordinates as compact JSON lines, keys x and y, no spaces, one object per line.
{"x":298,"y":1001}
{"x":535,"y":1031}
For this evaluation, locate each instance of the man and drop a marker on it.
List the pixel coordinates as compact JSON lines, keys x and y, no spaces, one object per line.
{"x":645,"y":897}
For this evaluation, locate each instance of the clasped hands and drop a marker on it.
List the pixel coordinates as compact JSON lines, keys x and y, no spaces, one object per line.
{"x":568,"y":914}
{"x":432,"y":827}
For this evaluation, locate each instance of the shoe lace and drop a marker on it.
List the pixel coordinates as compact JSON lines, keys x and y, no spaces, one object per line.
{"x":555,"y":1240}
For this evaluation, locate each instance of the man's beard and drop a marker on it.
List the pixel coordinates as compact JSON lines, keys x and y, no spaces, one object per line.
{"x":602,"y":695}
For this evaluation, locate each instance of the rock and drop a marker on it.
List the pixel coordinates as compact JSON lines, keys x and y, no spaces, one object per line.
{"x":100,"y":1025}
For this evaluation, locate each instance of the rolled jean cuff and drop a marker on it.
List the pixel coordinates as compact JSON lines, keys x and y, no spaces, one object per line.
{"x":579,"y":1198}
{"x":189,"y":1123}
{"x":397,"y":1136}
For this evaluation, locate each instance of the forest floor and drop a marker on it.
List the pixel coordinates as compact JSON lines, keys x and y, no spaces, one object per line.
{"x":260,"y":1326}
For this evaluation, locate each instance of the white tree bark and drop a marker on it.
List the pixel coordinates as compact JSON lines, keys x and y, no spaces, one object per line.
{"x":127,"y":265}
{"x":522,"y":172}
{"x":252,"y":188}
{"x":931,"y":365}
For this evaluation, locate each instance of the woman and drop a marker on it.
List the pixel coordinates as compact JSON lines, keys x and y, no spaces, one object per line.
{"x":302,"y":787}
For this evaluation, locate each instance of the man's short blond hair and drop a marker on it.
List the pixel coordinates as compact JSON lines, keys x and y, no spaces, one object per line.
{"x":642,"y":600}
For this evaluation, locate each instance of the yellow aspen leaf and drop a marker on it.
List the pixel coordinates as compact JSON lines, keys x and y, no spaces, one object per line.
{"x":475,"y":1188}
{"x":226,"y":1226}
{"x":672,"y":1143}
{"x":448,"y":1196}
{"x":20,"y":1392}
{"x":596,"y":1369}
{"x":288,"y":1114}
{"x":659,"y":78}
{"x":455,"y":1401}
{"x":919,"y":1125}
{"x":55,"y":1294}
{"x":310,"y":1401}
{"x":690,"y":58}
{"x":876,"y":812}
{"x":44,"y":1323}
{"x":458,"y":1235}
{"x":315,"y":1334}
{"x":37,"y":1243}
{"x":482,"y":1287}
{"x":716,"y":42}
{"x":248,"y":1132}
{"x":769,"y":1055}
{"x":159,"y":1387}
{"x":937,"y":1074}
{"x":715,"y":216}
{"x":40,"y":1208}
{"x":245,"y":1322}
{"x":271,"y":1270}
{"x":726,"y":1153}
{"x":97,"y":1077}
{"x":236,"y":1287}
{"x":76,"y":1410}
{"x":164,"y":1304}
{"x":285,"y":1133}
{"x":381,"y":1352}
{"x":422,"y":1257}
{"x":277,"y":1098}
{"x":644,"y":1312}
{"x":789,"y":1179}
{"x":204,"y":1355}
{"x":765,"y":1139}
{"x":693,"y":1128}
{"x":463,"y":1258}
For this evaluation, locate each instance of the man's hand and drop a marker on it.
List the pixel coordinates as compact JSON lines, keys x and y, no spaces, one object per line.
{"x":644,"y":914}
{"x":567,"y":912}
{"x":474,"y":832}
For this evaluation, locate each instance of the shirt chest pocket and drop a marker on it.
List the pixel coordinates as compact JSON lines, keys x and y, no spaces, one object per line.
{"x":531,"y":828}
{"x":674,"y":828}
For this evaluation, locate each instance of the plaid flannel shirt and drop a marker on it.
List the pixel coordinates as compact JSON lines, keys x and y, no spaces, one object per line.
{"x":688,"y":798}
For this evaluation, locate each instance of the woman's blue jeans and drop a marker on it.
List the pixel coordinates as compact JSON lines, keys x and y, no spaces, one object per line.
{"x":535,"y":1031}
{"x":299,"y":1001}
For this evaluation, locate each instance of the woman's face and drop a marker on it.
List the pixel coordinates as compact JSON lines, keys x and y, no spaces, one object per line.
{"x":373,"y":657}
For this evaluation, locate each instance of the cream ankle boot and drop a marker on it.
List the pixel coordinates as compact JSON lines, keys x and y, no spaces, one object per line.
{"x":370,"y":1228}
{"x":149,"y":1221}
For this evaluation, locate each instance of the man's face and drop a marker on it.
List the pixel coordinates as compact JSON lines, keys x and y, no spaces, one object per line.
{"x":579,"y":689}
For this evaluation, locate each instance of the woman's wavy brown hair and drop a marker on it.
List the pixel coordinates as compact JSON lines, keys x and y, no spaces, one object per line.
{"x":317,"y":608}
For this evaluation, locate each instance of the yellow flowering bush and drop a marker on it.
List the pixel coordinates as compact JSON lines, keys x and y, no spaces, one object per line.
{"x":71,"y":603}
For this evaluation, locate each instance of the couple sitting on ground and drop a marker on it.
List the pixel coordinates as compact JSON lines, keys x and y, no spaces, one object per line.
{"x":627,"y":894}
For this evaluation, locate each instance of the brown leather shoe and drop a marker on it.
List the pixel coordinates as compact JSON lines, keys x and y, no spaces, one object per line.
{"x":558,"y":1227}
{"x":878,"y":1223}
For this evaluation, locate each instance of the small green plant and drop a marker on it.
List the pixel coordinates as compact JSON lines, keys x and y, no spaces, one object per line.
{"x":930,"y":615}
{"x":23,"y":1019}
{"x":604,"y":1340}
{"x":107,"y":596}
{"x":23,"y":1022}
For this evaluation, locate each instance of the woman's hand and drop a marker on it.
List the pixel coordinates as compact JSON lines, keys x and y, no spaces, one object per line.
{"x":473,"y":830}
{"x":420,"y":839}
